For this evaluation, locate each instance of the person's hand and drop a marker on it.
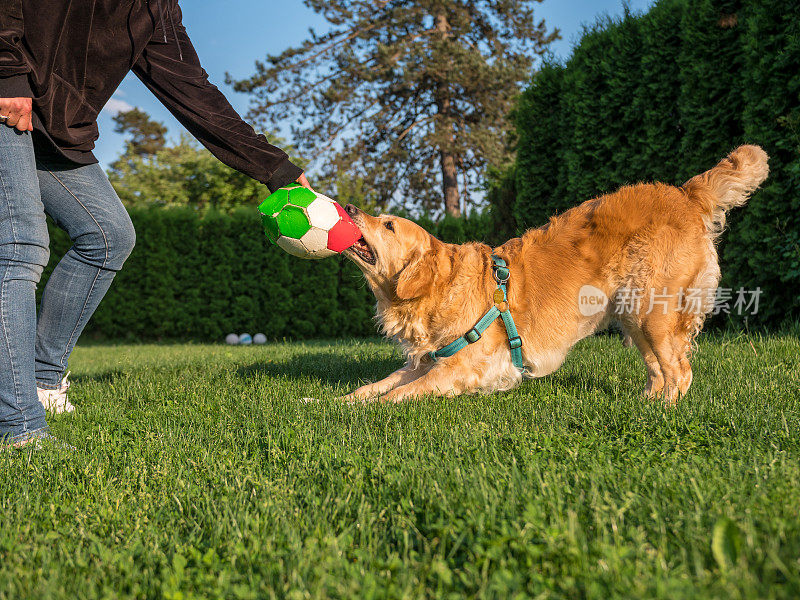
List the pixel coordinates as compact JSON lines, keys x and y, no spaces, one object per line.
{"x":17,"y":113}
{"x":304,"y":182}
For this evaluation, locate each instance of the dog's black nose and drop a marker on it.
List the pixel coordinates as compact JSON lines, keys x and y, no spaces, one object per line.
{"x":351,"y":210}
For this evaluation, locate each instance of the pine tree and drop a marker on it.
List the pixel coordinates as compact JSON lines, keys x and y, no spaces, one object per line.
{"x":410,"y":95}
{"x":147,"y":136}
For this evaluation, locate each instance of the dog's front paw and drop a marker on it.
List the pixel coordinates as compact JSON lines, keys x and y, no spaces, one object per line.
{"x":363,"y":394}
{"x":351,"y":399}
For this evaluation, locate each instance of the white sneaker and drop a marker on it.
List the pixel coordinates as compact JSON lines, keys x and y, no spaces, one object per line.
{"x":56,"y":400}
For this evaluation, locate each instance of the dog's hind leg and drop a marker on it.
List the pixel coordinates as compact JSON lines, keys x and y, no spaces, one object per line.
{"x":659,"y":329}
{"x":687,"y":328}
{"x":655,"y":378}
{"x":685,"y":378}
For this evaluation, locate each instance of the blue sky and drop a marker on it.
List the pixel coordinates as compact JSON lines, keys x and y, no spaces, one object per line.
{"x":230,"y":36}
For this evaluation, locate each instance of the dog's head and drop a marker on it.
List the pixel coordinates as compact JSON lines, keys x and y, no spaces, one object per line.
{"x":399,"y":258}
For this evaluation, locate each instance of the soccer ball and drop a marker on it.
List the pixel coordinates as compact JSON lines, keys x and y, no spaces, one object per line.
{"x":245,"y":339}
{"x":306,"y":224}
{"x":259,"y":339}
{"x":232,"y":339}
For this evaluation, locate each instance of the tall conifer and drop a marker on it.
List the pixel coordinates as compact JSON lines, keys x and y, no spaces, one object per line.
{"x":763,"y":248}
{"x":541,"y":176}
{"x":711,"y":100}
{"x":411,"y":95}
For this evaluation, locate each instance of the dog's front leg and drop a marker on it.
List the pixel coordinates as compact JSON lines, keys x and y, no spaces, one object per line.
{"x":438,"y":381}
{"x":401,"y":377}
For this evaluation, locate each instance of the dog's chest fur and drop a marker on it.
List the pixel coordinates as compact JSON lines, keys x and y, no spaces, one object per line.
{"x":453,"y":304}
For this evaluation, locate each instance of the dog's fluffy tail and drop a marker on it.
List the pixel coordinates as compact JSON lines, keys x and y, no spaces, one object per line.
{"x":729,"y":184}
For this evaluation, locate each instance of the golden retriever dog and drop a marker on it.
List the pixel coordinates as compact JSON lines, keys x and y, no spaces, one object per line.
{"x":644,"y":256}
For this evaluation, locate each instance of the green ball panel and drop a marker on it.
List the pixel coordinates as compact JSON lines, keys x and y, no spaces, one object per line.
{"x":274,"y":202}
{"x":293,"y":222}
{"x":270,"y":228}
{"x":301,"y":196}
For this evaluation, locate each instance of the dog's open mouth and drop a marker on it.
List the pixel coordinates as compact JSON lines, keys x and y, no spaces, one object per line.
{"x":363,"y":251}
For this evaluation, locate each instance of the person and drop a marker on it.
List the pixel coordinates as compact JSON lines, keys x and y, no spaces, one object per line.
{"x":60,"y":62}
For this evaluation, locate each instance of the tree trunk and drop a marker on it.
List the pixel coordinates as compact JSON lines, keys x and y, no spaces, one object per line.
{"x":452,"y":203}
{"x":448,"y":159}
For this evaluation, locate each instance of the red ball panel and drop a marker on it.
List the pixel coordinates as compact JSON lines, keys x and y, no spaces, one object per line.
{"x":343,"y":213}
{"x":344,"y":234}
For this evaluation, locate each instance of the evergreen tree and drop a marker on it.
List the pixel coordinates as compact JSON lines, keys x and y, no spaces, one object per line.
{"x":763,"y":246}
{"x":624,"y":131}
{"x":501,"y":195}
{"x":657,"y":95}
{"x":587,"y":155}
{"x":541,"y":173}
{"x":147,"y":136}
{"x":406,"y":94}
{"x":711,"y":63}
{"x":703,"y":76}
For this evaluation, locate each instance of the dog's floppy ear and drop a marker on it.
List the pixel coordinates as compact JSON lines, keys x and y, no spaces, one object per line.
{"x":417,"y":278}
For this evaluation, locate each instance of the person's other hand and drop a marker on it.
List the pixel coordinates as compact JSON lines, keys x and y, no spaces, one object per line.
{"x":304,"y":182}
{"x":17,"y":113}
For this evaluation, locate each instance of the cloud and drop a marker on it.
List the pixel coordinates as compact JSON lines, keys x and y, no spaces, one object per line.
{"x":116,"y":106}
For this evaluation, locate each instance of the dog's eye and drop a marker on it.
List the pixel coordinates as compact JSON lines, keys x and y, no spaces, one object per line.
{"x":389,"y":225}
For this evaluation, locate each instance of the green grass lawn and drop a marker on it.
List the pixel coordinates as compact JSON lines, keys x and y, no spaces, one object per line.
{"x":201,"y":473}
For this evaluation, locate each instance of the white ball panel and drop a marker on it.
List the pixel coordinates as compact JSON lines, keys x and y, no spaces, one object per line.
{"x":322,"y":213}
{"x":315,"y":239}
{"x":322,"y":253}
{"x":293,"y":246}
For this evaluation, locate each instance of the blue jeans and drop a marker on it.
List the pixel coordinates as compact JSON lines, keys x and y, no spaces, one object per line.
{"x":81,"y":201}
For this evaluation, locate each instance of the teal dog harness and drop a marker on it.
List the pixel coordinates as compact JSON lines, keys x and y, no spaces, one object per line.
{"x":500,"y":309}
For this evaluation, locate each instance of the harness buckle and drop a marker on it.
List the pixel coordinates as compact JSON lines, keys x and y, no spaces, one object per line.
{"x":472,"y":336}
{"x":501,"y":274}
{"x":515,"y":342}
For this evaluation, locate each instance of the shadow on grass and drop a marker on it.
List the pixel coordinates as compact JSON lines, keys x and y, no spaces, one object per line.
{"x":575,"y":383}
{"x":328,"y":367}
{"x":349,"y":371}
{"x":104,"y":377}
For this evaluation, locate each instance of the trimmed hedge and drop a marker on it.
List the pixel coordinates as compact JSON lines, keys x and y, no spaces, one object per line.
{"x":194,"y":277}
{"x":199,"y":278}
{"x":661,"y":97}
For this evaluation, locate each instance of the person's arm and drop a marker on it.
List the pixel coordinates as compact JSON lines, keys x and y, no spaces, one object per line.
{"x":13,"y":68}
{"x":172,"y":71}
{"x":15,"y":88}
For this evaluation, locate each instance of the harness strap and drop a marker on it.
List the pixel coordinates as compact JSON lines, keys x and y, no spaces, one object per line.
{"x":501,"y":276}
